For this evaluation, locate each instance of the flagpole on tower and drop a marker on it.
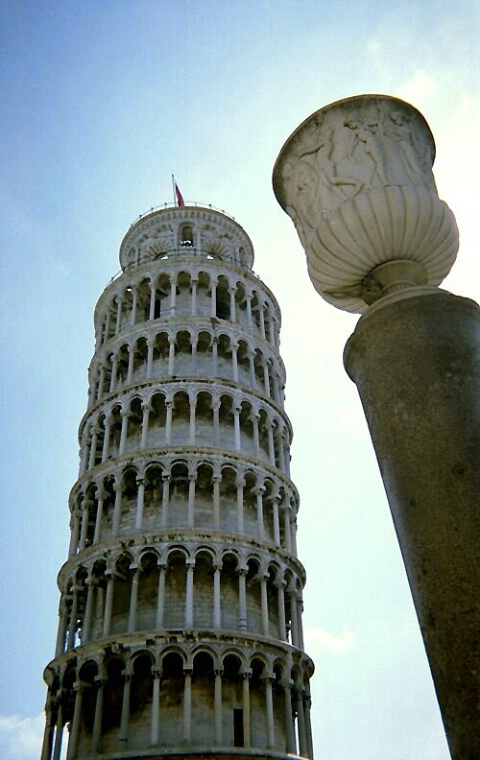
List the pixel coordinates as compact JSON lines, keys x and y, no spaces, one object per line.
{"x":177,"y":196}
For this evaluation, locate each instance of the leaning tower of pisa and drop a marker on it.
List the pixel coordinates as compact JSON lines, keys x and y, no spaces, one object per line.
{"x":180,"y":631}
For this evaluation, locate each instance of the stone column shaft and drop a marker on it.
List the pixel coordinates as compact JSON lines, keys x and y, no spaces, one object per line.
{"x":246,"y":709}
{"x":416,"y":364}
{"x":187,"y":707}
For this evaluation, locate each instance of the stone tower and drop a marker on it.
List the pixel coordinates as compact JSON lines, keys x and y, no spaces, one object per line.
{"x":180,"y":627}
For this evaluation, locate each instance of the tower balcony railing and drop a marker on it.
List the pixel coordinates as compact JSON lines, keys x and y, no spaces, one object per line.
{"x":188,"y":204}
{"x":185,"y":251}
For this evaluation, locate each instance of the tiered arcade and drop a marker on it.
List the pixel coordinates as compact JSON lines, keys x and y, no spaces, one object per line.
{"x":180,"y":615}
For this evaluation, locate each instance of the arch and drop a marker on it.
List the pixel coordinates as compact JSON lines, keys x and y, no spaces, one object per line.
{"x":230,"y":590}
{"x":134,"y":429}
{"x":179,"y":494}
{"x":129,"y":494}
{"x":181,"y":418}
{"x":141,"y":698}
{"x":112,"y":701}
{"x":233,"y":719}
{"x":254,"y":598}
{"x":258,"y":667}
{"x":227,"y":497}
{"x":161,"y":353}
{"x":204,"y":418}
{"x":153,"y":496}
{"x":204,"y":506}
{"x":203,"y":688}
{"x":115,"y":419}
{"x":250,"y":514}
{"x":222,"y":303}
{"x":98,"y":581}
{"x":175,"y":588}
{"x":147,"y":590}
{"x":204,"y":304}
{"x":224,"y":356}
{"x":122,"y":589}
{"x":203,"y":589}
{"x":140,"y":357}
{"x":157,"y":421}
{"x":184,"y":294}
{"x":143,"y":300}
{"x":86,"y":675}
{"x":171,"y":695}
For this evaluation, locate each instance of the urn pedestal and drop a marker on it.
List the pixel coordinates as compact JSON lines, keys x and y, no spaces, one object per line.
{"x":356,"y":179}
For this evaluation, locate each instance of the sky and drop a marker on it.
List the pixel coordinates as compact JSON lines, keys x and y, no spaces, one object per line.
{"x":101,"y":102}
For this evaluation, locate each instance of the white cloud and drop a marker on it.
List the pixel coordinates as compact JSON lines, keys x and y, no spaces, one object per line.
{"x":419,"y":89}
{"x":318,"y":639}
{"x":21,"y":738}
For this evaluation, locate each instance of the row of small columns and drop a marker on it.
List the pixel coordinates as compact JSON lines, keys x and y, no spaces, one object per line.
{"x":301,"y":703}
{"x":271,"y":388}
{"x":117,"y":316}
{"x":68,"y":622}
{"x":81,"y":518}
{"x":89,"y":451}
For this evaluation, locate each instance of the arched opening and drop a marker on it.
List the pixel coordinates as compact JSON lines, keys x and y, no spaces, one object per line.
{"x":229,"y":590}
{"x":140,"y":359}
{"x":147,"y":592}
{"x":204,"y":419}
{"x":203,"y":679}
{"x":204,"y":496}
{"x":203,"y":591}
{"x":181,"y":418}
{"x":222,"y":305}
{"x":233,"y":726}
{"x":204,"y":307}
{"x":179,"y":491}
{"x":258,"y":704}
{"x":204,"y":354}
{"x":153,"y":496}
{"x":112,"y":703}
{"x":129,"y":500}
{"x":186,"y":236}
{"x":122,"y":580}
{"x":141,"y":697}
{"x":175,"y":587}
{"x":250,"y":520}
{"x":99,"y":584}
{"x":184,"y":294}
{"x":228,"y":500}
{"x":171,"y":699}
{"x":254,"y":597}
{"x":86,"y":676}
{"x":183,"y":357}
{"x":157,"y":419}
{"x":135,"y":417}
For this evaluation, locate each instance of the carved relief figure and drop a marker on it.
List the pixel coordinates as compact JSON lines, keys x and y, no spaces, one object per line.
{"x":409,"y":164}
{"x":367,"y":151}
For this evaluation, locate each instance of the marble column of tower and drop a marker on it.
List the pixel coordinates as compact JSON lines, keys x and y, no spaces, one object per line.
{"x":180,"y":631}
{"x":356,"y":180}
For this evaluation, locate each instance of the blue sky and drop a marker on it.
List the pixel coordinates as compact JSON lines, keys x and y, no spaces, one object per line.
{"x":101,"y":103}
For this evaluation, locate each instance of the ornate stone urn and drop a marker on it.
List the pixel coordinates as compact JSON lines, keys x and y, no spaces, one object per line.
{"x":356,"y":179}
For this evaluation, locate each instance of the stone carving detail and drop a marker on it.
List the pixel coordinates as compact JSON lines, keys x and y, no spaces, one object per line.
{"x":356,"y":179}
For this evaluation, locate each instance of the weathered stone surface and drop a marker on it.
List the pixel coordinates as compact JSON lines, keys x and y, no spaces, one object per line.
{"x":416,"y":364}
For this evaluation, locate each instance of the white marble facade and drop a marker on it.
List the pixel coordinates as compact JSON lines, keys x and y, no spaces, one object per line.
{"x":181,"y":600}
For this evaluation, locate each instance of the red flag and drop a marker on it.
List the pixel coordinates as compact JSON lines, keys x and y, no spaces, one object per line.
{"x":179,"y":196}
